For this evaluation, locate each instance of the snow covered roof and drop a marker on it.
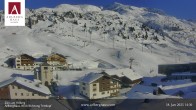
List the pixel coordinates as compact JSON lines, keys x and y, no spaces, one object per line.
{"x":145,"y":92}
{"x":138,"y":95}
{"x":26,"y":55}
{"x":60,"y":55}
{"x":143,"y":89}
{"x":173,"y":89}
{"x":157,"y":80}
{"x":124,"y":72}
{"x":26,"y":83}
{"x":91,"y":77}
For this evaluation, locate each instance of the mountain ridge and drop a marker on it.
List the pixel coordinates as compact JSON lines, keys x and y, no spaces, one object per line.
{"x":99,"y":38}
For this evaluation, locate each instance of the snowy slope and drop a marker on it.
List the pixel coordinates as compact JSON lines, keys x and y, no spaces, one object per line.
{"x":97,"y":38}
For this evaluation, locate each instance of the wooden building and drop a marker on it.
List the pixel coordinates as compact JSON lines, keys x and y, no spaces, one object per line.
{"x":98,"y":86}
{"x":24,"y":62}
{"x":57,"y":61}
{"x":127,"y":77}
{"x":21,"y":88}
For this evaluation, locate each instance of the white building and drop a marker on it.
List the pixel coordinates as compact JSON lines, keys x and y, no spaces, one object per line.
{"x":21,"y":88}
{"x":24,"y":62}
{"x":44,"y":73}
{"x":57,"y":61}
{"x":98,"y":85}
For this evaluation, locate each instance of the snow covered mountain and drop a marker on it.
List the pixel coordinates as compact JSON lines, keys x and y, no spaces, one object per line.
{"x":108,"y":37}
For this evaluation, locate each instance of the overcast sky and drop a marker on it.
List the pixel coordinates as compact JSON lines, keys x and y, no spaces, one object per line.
{"x":185,"y":9}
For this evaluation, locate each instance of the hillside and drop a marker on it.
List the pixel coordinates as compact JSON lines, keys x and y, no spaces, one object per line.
{"x":98,"y":38}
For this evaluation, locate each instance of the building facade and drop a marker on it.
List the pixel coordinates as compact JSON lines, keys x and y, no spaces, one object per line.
{"x":57,"y":61}
{"x":20,"y":88}
{"x":44,"y":73}
{"x":98,"y":86}
{"x":24,"y":62}
{"x":127,"y":77}
{"x":179,"y":71}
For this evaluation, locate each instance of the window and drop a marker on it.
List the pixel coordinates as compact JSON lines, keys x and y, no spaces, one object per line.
{"x":33,"y":94}
{"x":103,"y":93}
{"x":94,"y":84}
{"x":45,"y":68}
{"x":84,"y":88}
{"x":15,"y":94}
{"x":13,"y":87}
{"x":83,"y":83}
{"x":19,"y":87}
{"x":94,"y":94}
{"x":21,"y":94}
{"x":94,"y":89}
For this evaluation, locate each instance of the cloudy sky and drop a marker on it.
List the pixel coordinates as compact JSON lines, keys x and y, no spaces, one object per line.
{"x":185,"y":9}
